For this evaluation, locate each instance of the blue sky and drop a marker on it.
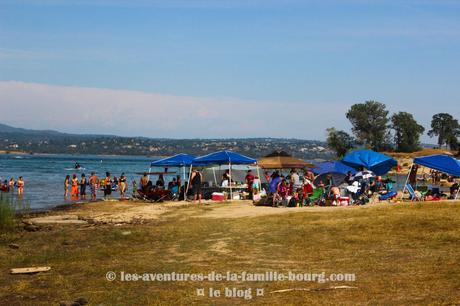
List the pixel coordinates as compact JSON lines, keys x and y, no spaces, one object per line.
{"x":294,"y":63}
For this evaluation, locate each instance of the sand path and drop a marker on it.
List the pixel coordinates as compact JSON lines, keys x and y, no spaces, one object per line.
{"x":140,"y":212}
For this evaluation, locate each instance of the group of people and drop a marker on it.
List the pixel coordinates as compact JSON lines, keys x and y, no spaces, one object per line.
{"x":293,"y":190}
{"x":147,"y":189}
{"x":78,"y":186}
{"x":9,"y":185}
{"x":289,"y":190}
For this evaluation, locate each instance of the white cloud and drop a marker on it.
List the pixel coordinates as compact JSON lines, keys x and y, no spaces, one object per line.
{"x":136,"y":113}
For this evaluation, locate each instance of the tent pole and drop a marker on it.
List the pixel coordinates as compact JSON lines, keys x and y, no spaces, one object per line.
{"x":150,"y":170}
{"x":214,"y":172}
{"x":407,"y":179}
{"x":184,"y":177}
{"x":260,"y":179}
{"x":230,"y":180}
{"x":188,"y":182}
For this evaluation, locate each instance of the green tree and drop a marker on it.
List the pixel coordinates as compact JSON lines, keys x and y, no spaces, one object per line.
{"x":370,"y":124}
{"x":407,"y":132}
{"x":339,"y":141}
{"x":446,"y":128}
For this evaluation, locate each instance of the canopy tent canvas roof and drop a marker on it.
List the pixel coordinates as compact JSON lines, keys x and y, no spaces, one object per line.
{"x":332,"y":167}
{"x":378,"y":163}
{"x":223,"y":158}
{"x":443,"y":163}
{"x":178,"y":160}
{"x":282,"y":162}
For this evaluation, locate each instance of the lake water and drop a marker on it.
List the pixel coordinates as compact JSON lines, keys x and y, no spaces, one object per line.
{"x":44,"y":174}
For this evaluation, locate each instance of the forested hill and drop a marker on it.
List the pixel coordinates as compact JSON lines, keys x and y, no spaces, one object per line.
{"x":48,"y":141}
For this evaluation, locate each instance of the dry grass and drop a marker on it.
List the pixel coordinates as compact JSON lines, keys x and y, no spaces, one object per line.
{"x":402,"y":254}
{"x":423,"y":152}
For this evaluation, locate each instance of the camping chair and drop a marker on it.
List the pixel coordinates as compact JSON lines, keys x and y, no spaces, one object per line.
{"x":413,"y":195}
{"x":318,"y":194}
{"x":175,"y":193}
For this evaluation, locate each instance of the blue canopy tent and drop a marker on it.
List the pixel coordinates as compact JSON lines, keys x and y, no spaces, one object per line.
{"x":376,"y":162}
{"x":443,"y":163}
{"x":336,"y":169}
{"x":224,"y":158}
{"x":180,"y":160}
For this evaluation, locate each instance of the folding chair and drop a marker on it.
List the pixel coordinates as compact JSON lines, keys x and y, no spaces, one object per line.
{"x":413,"y":194}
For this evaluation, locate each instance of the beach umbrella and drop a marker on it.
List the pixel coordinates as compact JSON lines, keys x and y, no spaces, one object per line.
{"x":282,"y":160}
{"x":337,"y":178}
{"x":362,"y":175}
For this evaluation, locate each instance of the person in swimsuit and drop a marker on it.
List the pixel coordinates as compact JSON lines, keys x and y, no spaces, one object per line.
{"x":122,"y":185}
{"x":93,"y":184}
{"x":11,"y":184}
{"x":66,"y":186}
{"x":74,"y":190}
{"x":83,"y":186}
{"x":107,"y":186}
{"x":196,"y":185}
{"x":144,"y":182}
{"x":20,"y":185}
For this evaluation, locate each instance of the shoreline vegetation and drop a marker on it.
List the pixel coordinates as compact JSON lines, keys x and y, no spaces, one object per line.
{"x":405,"y":252}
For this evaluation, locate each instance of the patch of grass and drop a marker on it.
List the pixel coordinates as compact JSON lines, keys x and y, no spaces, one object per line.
{"x":7,"y":213}
{"x":400,"y":254}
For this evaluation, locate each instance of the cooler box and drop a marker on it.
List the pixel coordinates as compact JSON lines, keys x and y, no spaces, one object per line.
{"x":217,"y":196}
{"x":344,"y":201}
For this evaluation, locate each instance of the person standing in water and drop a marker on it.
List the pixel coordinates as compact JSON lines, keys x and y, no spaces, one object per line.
{"x":20,"y":185}
{"x":11,"y":184}
{"x":66,"y":186}
{"x":107,"y":186}
{"x":93,"y":184}
{"x":83,"y":186}
{"x":122,"y":185}
{"x":74,"y":190}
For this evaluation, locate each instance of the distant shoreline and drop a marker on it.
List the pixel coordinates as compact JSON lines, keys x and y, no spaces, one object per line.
{"x":5,"y":152}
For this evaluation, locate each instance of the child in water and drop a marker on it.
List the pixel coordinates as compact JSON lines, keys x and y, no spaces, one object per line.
{"x":134,"y":187}
{"x":66,"y":186}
